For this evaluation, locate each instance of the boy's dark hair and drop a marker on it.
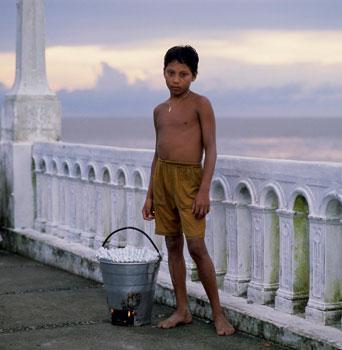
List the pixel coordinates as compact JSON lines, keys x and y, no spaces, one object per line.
{"x":183,"y":54}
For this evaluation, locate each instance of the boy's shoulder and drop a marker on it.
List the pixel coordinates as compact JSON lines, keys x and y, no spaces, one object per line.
{"x":201,"y":99}
{"x":201,"y":104}
{"x":159,"y":106}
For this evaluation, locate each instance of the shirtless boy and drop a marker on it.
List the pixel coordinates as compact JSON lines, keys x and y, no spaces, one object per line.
{"x":178,"y":193}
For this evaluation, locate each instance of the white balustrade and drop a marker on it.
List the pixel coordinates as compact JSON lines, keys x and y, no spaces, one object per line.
{"x":274,"y":231}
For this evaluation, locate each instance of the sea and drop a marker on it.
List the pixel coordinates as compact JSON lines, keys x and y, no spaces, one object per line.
{"x":304,"y":138}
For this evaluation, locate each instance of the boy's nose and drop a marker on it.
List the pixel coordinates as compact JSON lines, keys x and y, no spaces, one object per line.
{"x":176,"y":78}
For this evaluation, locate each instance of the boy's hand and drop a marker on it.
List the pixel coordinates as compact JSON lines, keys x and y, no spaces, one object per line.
{"x":201,"y":205}
{"x":147,"y":210}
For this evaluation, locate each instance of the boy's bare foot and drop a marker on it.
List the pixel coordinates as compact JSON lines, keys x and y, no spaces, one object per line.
{"x":223,"y":327}
{"x":177,"y":318}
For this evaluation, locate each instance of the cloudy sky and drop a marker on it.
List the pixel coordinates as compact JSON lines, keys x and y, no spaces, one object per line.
{"x":257,"y":57}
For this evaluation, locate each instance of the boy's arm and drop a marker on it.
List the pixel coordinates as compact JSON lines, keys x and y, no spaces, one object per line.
{"x":147,"y":210}
{"x":201,"y":203}
{"x":149,"y":194}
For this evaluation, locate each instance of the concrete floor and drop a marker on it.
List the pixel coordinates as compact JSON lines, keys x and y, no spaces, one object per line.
{"x":42,"y":307}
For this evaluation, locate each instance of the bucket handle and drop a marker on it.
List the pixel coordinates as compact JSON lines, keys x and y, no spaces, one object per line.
{"x":136,"y":229}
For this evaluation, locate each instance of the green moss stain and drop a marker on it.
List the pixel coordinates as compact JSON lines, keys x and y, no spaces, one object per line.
{"x":194,"y":273}
{"x":301,"y":245}
{"x":274,"y":202}
{"x":336,"y":291}
{"x":301,"y":205}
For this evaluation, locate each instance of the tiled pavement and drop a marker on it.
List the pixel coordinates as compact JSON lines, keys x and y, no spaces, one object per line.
{"x":42,"y":307}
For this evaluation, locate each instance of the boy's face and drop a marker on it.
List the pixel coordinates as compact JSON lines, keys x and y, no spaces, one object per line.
{"x":178,"y":78}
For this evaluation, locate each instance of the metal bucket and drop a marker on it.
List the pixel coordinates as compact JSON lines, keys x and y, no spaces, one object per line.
{"x":130,"y":287}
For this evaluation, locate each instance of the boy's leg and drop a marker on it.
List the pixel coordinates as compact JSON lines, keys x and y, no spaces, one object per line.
{"x":176,"y":261}
{"x":206,"y":272}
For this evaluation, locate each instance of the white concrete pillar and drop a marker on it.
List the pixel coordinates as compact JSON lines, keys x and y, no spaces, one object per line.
{"x":44,"y":198}
{"x":132,"y":237}
{"x":265,"y":245}
{"x":231,"y":230}
{"x":70,"y":231}
{"x":138,"y":221}
{"x":72,"y":205}
{"x":118,"y":215}
{"x":67,"y":195}
{"x":218,"y":212}
{"x":55,"y":178}
{"x":78,"y":207}
{"x":62,"y":230}
{"x":73,"y":228}
{"x":48,"y":189}
{"x":103,"y":206}
{"x":39,"y":223}
{"x":18,"y":210}
{"x":100,"y":215}
{"x":325,"y":302}
{"x":239,"y":243}
{"x":32,"y":111}
{"x":86,"y":236}
{"x":61,"y":202}
{"x":92,"y":205}
{"x":114,"y":222}
{"x":216,"y":238}
{"x":292,"y":294}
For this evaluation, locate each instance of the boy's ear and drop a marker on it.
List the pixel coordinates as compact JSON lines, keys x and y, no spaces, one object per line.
{"x":194,"y":77}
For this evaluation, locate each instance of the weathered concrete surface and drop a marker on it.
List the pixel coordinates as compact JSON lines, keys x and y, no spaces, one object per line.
{"x":43,"y":307}
{"x":258,"y":320}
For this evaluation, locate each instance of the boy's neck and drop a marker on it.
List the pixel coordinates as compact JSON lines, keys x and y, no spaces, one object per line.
{"x":180,"y":96}
{"x":172,"y":100}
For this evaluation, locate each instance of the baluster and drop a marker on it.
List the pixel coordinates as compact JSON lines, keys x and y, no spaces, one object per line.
{"x":265,"y":269}
{"x":239,"y":249}
{"x":49,"y":191}
{"x":325,"y":301}
{"x":100,"y":215}
{"x":219,"y":236}
{"x":292,"y":294}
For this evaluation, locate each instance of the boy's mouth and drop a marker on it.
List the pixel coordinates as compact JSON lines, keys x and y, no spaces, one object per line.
{"x":176,"y":88}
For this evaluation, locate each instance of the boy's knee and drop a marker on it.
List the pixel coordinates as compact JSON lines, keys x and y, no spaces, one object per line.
{"x":197,"y":249}
{"x":196,"y":254}
{"x":175,"y":243}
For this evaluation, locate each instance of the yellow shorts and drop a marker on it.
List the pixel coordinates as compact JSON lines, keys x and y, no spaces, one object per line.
{"x":175,"y":185}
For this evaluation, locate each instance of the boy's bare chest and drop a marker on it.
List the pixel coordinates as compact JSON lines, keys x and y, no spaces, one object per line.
{"x":177,"y":121}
